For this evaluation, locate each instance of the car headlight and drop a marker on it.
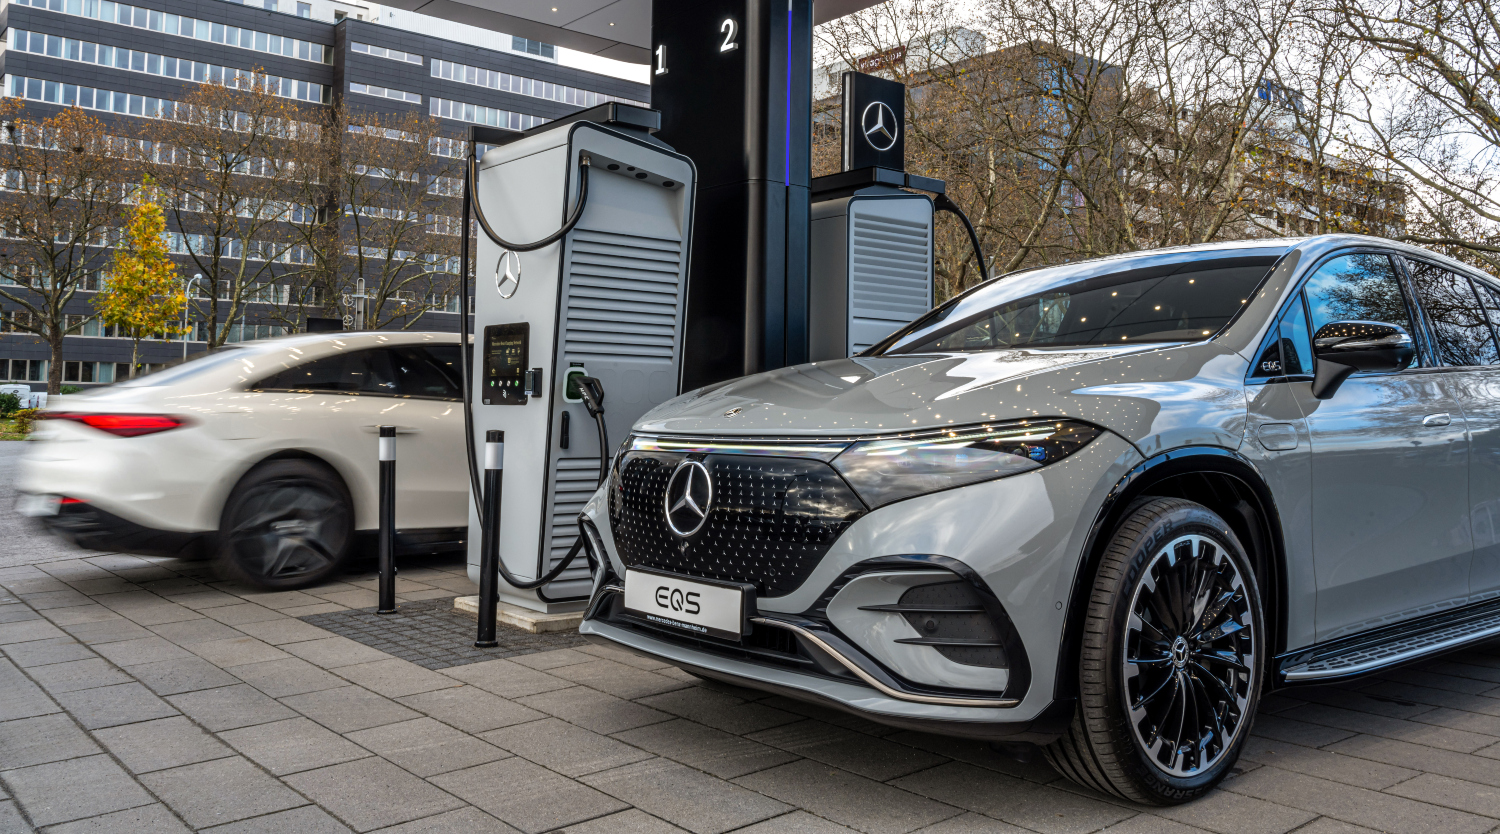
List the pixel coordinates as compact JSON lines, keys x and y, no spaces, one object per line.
{"x":890,"y":469}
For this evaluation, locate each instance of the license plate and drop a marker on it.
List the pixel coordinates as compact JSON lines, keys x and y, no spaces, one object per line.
{"x":36,"y":505}
{"x":706,"y":608}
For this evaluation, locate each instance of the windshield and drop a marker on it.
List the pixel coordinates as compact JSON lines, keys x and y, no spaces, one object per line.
{"x":1175,"y":297}
{"x":192,"y":367}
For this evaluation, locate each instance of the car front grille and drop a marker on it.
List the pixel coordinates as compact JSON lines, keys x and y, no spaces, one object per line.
{"x":770,"y":521}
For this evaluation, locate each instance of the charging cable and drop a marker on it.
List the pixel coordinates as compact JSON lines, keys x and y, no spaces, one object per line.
{"x":943,"y":203}
{"x":472,"y":186}
{"x":593,"y":400}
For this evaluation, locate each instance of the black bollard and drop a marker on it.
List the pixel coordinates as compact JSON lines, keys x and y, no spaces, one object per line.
{"x":387,"y":520}
{"x":489,"y":540}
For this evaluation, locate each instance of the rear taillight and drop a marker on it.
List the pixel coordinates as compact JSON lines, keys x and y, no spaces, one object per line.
{"x":120,"y":425}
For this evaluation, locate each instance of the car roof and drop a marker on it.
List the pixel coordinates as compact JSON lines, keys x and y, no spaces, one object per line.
{"x":361,"y":338}
{"x":1324,"y":243}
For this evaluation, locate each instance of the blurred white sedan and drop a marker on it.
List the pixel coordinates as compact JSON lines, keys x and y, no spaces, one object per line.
{"x":262,"y":455}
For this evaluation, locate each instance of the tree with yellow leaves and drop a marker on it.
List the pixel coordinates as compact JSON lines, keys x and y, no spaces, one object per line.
{"x":144,"y":296}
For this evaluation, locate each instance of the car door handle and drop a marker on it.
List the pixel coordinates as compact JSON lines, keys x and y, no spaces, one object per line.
{"x":1437,"y":420}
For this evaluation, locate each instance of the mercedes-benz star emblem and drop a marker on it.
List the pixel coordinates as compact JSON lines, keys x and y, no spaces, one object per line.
{"x":689,"y":492}
{"x":508,"y":273}
{"x":879,"y":125}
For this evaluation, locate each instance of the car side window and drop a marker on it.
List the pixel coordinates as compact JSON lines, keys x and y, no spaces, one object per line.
{"x":420,"y":374}
{"x":449,"y":359}
{"x":1489,"y":300}
{"x":380,"y":372}
{"x":1296,"y":340}
{"x":1458,"y":323}
{"x":1288,"y":349}
{"x":360,"y":371}
{"x":1359,"y":287}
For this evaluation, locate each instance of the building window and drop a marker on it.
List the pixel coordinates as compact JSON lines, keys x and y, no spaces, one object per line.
{"x":531,"y":47}
{"x":384,"y":92}
{"x":382,"y":52}
{"x":187,"y":27}
{"x":23,"y":370}
{"x":480,"y":115}
{"x":520,"y":85}
{"x":109,"y":101}
{"x":304,"y":10}
{"x":80,"y":371}
{"x":164,"y":65}
{"x":241,"y":332}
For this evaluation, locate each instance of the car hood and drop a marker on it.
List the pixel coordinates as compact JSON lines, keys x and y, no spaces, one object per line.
{"x":1120,"y":388}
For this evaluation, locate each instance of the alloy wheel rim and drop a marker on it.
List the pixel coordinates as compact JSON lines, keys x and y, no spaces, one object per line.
{"x":287,"y":531}
{"x":1189,"y":656}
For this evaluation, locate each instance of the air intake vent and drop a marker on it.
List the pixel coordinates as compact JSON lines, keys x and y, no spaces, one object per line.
{"x":575,"y":481}
{"x":622,"y":313}
{"x":951,"y":618}
{"x":623,"y":293}
{"x":889,"y":275}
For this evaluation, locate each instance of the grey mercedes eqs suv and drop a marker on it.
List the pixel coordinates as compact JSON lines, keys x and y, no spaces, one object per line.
{"x":1100,"y":507}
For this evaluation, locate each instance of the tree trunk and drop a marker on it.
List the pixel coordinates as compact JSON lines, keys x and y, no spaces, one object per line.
{"x":55,"y":367}
{"x":135,"y":347}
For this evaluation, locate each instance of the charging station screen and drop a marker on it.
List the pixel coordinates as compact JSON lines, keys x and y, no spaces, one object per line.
{"x":505,"y":363}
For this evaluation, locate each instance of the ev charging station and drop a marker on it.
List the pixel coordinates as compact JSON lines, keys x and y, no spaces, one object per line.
{"x":663,"y":250}
{"x":605,"y":302}
{"x":871,"y":229}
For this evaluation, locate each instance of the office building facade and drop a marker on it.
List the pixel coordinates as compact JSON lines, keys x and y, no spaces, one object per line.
{"x":124,"y":61}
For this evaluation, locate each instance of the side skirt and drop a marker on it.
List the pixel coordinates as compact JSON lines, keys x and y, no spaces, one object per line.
{"x":1384,"y":648}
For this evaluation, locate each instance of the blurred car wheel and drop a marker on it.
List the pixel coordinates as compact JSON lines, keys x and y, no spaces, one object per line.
{"x":288,"y":524}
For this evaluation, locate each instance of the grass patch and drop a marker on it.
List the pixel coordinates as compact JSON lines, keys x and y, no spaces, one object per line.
{"x":9,"y":430}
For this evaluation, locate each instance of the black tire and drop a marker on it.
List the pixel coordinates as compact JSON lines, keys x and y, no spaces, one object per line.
{"x":288,"y":524}
{"x":1147,"y":659}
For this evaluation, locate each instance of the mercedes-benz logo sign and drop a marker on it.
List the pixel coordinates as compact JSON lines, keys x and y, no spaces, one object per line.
{"x":689,"y":492}
{"x":879,"y":125}
{"x":508,"y":273}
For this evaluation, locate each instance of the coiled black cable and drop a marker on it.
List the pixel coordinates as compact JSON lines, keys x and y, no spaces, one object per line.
{"x":593,"y":400}
{"x":567,"y":226}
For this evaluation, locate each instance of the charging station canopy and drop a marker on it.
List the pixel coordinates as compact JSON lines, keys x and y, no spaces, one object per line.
{"x":618,"y":29}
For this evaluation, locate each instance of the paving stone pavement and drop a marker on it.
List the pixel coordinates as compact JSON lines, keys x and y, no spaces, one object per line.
{"x":144,"y":695}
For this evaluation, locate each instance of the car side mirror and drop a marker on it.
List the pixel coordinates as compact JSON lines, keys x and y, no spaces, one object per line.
{"x":1346,"y":347}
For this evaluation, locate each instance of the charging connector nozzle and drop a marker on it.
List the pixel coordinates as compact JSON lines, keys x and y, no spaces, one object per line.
{"x":593,"y":395}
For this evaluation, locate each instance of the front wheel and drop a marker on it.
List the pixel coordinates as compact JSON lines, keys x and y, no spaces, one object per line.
{"x":1170,"y":668}
{"x":288,"y":524}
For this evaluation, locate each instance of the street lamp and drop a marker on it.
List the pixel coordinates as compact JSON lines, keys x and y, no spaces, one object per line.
{"x":187,"y":295}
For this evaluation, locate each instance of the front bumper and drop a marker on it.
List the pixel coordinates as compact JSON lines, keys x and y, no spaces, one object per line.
{"x":994,"y":723}
{"x":1020,"y":537}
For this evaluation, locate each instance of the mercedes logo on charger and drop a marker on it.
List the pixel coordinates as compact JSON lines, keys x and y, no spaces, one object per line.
{"x":879,"y":125}
{"x":689,"y":492}
{"x":508,"y":273}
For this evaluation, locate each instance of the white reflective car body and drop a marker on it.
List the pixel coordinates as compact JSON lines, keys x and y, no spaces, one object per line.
{"x":148,"y":465}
